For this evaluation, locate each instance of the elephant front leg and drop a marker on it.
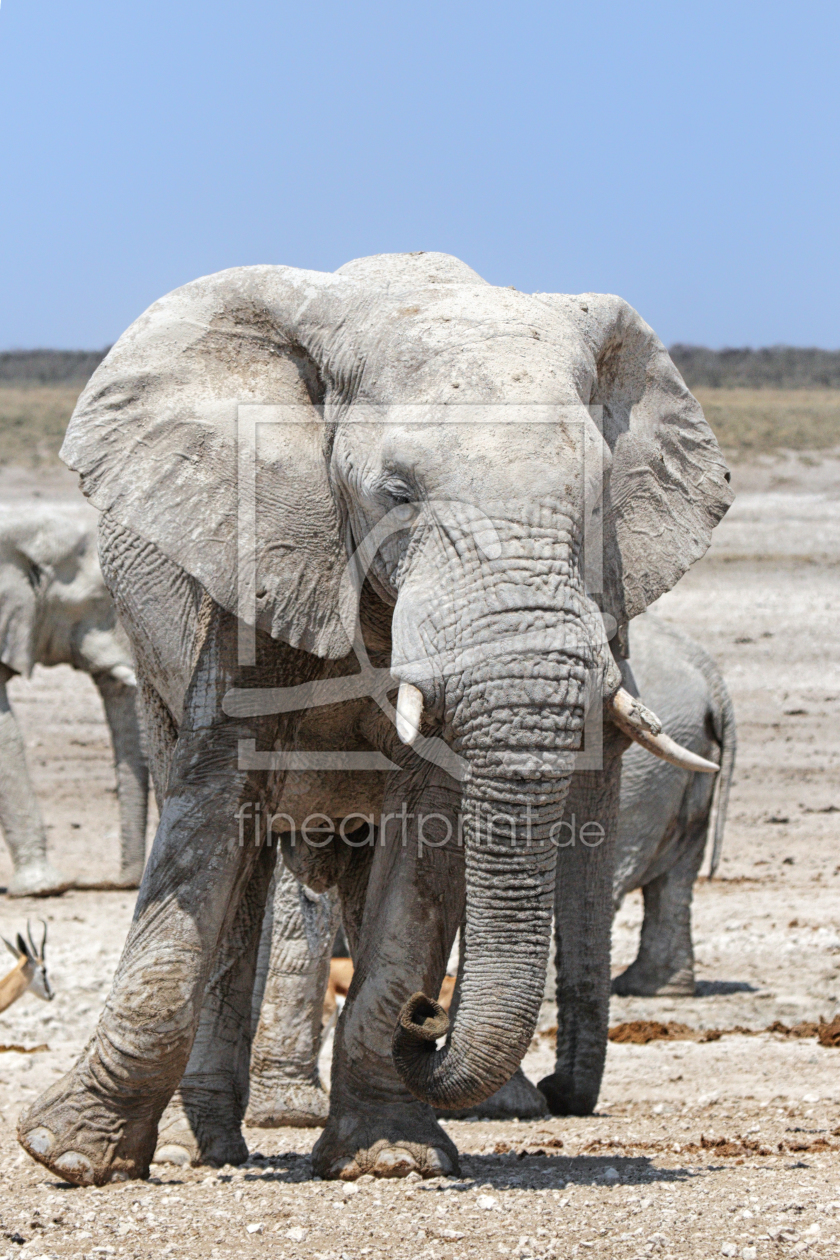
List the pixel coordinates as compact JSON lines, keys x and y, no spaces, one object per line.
{"x":664,"y":966}
{"x":202,"y":1123}
{"x":299,"y":931}
{"x":132,"y":776}
{"x":583,"y":918}
{"x":413,"y":905}
{"x":99,"y":1123}
{"x":20,"y":818}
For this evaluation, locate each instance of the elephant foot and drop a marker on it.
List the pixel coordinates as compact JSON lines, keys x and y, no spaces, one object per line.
{"x":300,"y":1104}
{"x":200,"y":1127}
{"x":641,"y":981}
{"x":517,"y":1099}
{"x":564,"y":1100}
{"x":405,"y":1139}
{"x":38,"y":879}
{"x":84,"y":1138}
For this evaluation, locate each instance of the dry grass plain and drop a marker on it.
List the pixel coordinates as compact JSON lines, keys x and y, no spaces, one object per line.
{"x":33,"y":419}
{"x":750,"y":422}
{"x":698,"y":1149}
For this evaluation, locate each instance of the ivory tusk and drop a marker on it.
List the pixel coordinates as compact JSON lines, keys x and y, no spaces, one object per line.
{"x":409,"y":712}
{"x":644,"y":727}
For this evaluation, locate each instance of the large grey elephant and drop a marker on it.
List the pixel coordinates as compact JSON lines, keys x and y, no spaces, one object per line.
{"x":446,"y":490}
{"x":666,"y":820}
{"x":56,"y":610}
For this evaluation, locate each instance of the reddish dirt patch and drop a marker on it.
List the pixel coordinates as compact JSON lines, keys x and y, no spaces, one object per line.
{"x":640,"y":1031}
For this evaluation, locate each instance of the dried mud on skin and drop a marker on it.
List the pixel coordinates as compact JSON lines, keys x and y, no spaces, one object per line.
{"x":719,"y":1138}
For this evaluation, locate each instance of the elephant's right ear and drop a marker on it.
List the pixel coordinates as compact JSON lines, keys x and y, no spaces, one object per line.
{"x":163,"y":443}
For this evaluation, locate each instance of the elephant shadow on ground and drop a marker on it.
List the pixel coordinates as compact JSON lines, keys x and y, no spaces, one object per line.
{"x":512,"y":1171}
{"x":501,"y":1172}
{"x":722,"y":988}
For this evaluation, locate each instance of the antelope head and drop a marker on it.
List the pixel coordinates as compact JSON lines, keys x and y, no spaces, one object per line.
{"x":30,"y":971}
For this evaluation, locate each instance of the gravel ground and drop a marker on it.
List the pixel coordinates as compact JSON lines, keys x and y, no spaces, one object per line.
{"x":700,"y":1148}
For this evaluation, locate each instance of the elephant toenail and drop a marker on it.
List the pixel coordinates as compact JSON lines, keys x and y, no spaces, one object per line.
{"x":119,"y":1175}
{"x":172,"y":1154}
{"x":394,"y":1163}
{"x":75,"y":1167}
{"x":345,"y":1169}
{"x":39,"y":1141}
{"x":437,"y":1163}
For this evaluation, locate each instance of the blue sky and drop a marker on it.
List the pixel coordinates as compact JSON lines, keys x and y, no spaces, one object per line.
{"x":682,"y":155}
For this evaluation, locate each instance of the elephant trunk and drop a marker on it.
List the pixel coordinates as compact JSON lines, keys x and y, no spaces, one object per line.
{"x":520,"y":762}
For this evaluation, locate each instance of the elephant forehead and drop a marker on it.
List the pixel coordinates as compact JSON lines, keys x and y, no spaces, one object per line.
{"x":460,"y":344}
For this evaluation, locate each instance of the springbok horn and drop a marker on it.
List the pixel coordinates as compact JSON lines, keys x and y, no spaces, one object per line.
{"x":644,"y":727}
{"x":38,"y":953}
{"x":409,"y":712}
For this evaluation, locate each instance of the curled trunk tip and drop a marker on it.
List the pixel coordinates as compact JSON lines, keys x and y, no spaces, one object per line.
{"x":421,"y":1022}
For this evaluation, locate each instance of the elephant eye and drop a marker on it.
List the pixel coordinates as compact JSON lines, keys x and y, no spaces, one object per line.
{"x":404,"y":511}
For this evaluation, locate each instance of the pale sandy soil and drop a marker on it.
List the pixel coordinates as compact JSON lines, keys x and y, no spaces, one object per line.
{"x":766,"y":602}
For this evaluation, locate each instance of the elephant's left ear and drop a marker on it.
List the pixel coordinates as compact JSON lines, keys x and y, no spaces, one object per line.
{"x":668,"y":485}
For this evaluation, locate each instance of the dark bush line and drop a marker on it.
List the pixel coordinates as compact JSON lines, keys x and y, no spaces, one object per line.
{"x":776,"y":367}
{"x":49,"y":367}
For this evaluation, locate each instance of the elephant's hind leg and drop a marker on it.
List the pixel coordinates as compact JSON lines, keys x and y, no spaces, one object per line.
{"x":299,"y":931}
{"x":664,"y":965}
{"x":20,"y":818}
{"x":132,"y":775}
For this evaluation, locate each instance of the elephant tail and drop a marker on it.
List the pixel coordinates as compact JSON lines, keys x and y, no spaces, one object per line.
{"x":724,"y":721}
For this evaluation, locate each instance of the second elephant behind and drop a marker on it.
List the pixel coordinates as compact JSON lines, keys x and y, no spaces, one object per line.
{"x":667,"y":816}
{"x":56,"y":610}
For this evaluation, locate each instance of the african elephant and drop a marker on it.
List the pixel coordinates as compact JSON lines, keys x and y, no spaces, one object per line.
{"x":450,"y":491}
{"x":665,"y":820}
{"x":55,"y":610}
{"x":667,"y":813}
